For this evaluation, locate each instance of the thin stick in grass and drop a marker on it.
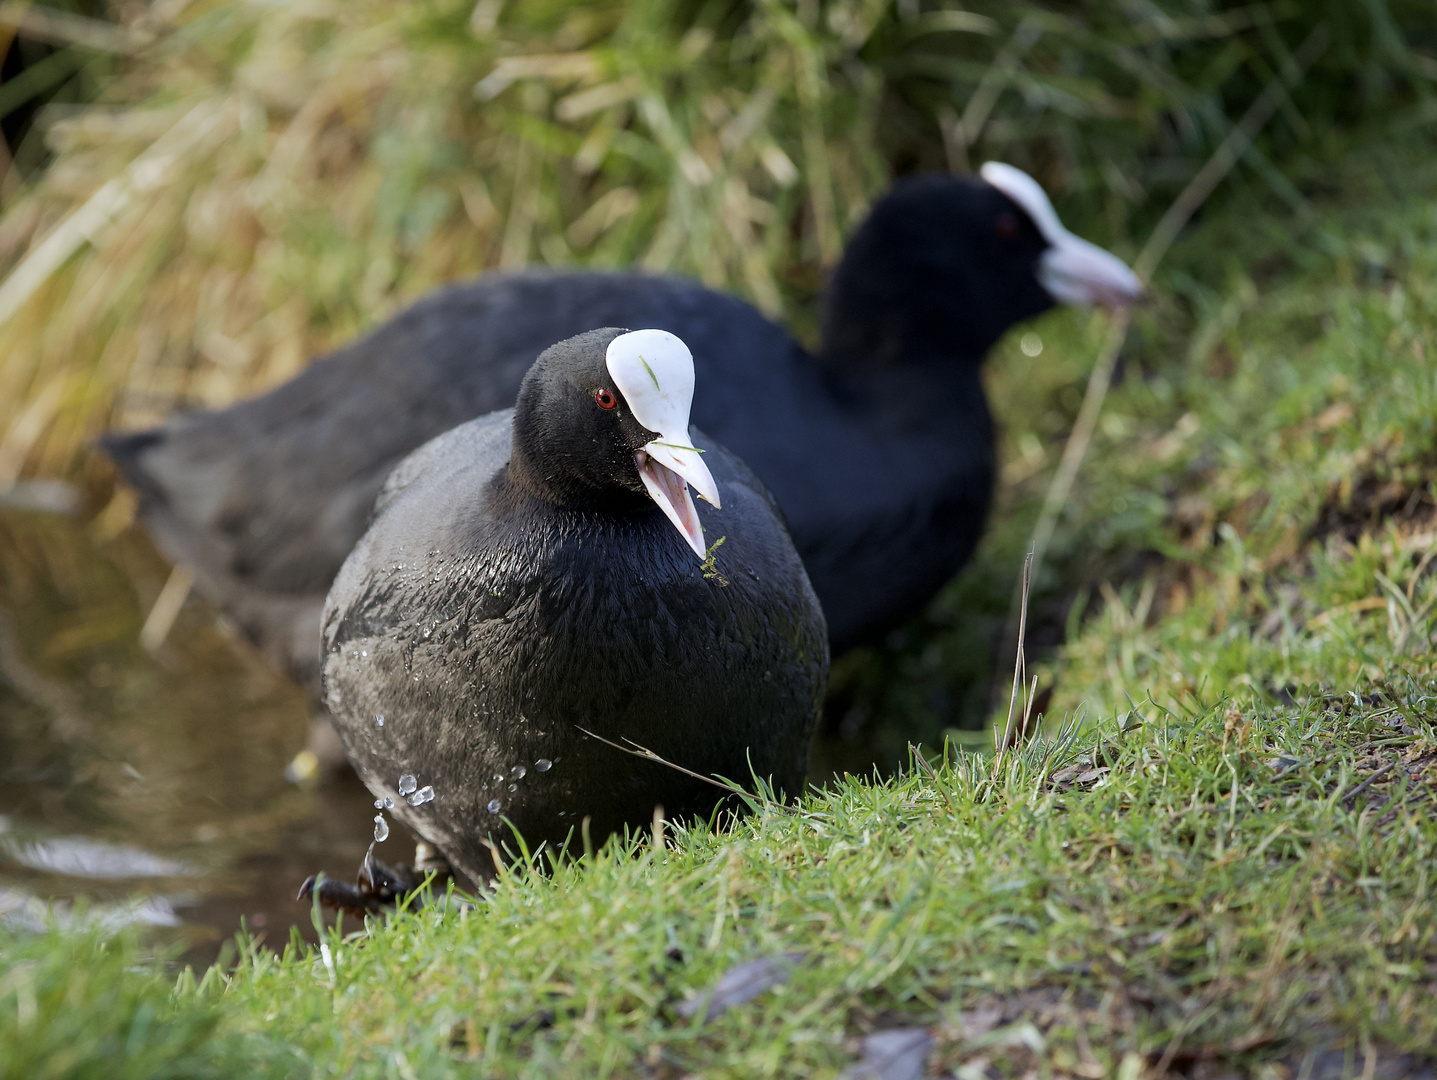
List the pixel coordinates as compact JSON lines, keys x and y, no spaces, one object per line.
{"x":646,"y":754}
{"x":1020,"y":666}
{"x":1189,"y":200}
{"x":922,"y":761}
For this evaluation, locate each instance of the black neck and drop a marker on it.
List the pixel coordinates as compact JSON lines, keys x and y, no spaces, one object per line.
{"x":882,"y":316}
{"x":558,"y":487}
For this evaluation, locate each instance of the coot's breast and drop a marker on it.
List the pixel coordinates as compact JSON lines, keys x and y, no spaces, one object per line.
{"x":490,"y":644}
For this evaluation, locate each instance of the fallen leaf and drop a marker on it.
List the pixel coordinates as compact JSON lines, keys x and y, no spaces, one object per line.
{"x":743,"y":983}
{"x":979,"y":1021}
{"x":899,"y":1054}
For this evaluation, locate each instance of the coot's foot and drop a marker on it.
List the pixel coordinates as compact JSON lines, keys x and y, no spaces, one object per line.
{"x":378,"y":887}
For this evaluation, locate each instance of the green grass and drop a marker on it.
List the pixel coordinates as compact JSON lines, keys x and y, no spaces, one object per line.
{"x":1182,"y":888}
{"x":76,"y":1004}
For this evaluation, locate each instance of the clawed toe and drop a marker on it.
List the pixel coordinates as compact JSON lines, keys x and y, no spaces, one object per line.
{"x":377,"y":887}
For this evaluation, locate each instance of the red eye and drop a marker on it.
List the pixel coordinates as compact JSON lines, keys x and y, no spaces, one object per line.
{"x":606,"y":399}
{"x":1006,"y":226}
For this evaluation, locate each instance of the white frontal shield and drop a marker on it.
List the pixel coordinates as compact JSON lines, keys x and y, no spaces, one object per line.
{"x":1073,"y":270}
{"x":654,"y":371}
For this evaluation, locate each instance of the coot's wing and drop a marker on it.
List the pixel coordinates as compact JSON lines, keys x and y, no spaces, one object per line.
{"x":460,"y":465}
{"x":483,"y":442}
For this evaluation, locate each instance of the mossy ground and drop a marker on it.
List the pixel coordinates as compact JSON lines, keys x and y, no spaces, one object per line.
{"x":1226,"y":870}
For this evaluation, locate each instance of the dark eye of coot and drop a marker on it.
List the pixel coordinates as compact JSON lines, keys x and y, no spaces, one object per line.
{"x":606,"y":399}
{"x":1006,"y":226}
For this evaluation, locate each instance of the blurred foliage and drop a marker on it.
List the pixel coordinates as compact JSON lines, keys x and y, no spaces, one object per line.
{"x":51,"y":57}
{"x":87,"y":1004}
{"x":260,"y":181}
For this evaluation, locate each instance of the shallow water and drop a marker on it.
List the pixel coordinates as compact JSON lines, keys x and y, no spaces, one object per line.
{"x":149,"y":787}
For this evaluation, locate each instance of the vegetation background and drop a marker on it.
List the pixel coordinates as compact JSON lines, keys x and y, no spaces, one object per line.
{"x":1228,"y":869}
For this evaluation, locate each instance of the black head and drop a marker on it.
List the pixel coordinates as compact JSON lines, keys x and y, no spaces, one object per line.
{"x":602,"y":422}
{"x":575,"y":435}
{"x":945,"y":265}
{"x":942,"y":264}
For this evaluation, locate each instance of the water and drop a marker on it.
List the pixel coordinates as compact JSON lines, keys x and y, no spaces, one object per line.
{"x":381,"y":829}
{"x":153,"y":785}
{"x":422,"y":796}
{"x":150,"y":785}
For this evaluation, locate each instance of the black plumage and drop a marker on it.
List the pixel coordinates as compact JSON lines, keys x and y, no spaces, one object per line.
{"x":517,"y":584}
{"x":879,"y":447}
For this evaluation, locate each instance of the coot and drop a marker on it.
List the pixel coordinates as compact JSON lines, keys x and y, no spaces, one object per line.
{"x":542,"y":572}
{"x":879,"y":447}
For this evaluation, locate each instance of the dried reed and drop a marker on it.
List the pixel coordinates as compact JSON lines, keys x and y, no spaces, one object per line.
{"x":262,"y":181}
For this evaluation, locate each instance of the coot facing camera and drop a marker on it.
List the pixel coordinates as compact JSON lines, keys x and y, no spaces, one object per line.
{"x":544,"y":571}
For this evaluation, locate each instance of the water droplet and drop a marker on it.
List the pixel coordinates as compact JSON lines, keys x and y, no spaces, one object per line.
{"x":498,"y":778}
{"x":381,"y":828}
{"x":378,"y":719}
{"x":422,"y":796}
{"x":388,"y":802}
{"x":543,"y":764}
{"x":363,"y":652}
{"x":379,"y":804}
{"x":407,"y":784}
{"x":513,"y":787}
{"x":493,"y":806}
{"x":518,"y":772}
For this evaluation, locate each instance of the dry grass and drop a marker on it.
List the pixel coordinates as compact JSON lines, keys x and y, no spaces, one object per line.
{"x":262,"y":181}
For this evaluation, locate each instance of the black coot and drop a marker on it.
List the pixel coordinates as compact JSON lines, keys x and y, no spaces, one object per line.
{"x":879,"y":448}
{"x":542,"y":569}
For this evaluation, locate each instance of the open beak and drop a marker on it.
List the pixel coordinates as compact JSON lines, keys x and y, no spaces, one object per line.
{"x":667,"y":469}
{"x":1075,"y":271}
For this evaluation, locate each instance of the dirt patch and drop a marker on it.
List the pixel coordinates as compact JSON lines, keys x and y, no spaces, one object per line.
{"x":1372,"y":502}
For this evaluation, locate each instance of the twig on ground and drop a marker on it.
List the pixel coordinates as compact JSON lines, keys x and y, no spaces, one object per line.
{"x":167,"y":607}
{"x":646,"y":754}
{"x":1360,"y":788}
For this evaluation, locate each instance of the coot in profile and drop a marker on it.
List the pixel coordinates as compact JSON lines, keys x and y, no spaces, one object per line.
{"x":879,"y":447}
{"x":542,"y":570}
